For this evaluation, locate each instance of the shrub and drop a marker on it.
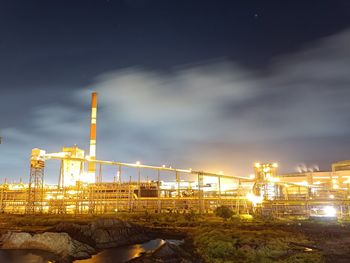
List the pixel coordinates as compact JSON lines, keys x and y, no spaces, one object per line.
{"x":224,"y":212}
{"x":190,"y":216}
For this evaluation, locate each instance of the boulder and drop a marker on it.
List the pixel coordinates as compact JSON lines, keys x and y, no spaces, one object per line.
{"x":58,"y":243}
{"x":105,"y":233}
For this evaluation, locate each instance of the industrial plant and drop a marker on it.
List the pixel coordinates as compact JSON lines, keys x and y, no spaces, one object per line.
{"x":82,"y":189}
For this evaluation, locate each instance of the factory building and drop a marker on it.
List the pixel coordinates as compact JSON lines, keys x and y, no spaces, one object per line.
{"x":82,"y":189}
{"x":336,"y":179}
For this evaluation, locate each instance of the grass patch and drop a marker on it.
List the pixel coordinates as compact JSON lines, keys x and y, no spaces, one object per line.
{"x":220,"y":244}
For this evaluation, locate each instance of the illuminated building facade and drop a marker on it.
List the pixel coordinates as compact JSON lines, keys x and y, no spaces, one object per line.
{"x":72,"y":170}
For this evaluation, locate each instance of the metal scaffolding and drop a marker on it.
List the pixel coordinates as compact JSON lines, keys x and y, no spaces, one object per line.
{"x":36,"y":187}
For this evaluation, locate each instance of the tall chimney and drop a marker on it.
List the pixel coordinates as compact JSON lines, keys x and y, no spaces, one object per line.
{"x":92,"y":165}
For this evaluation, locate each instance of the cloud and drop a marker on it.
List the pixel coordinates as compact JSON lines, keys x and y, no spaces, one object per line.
{"x":215,"y":116}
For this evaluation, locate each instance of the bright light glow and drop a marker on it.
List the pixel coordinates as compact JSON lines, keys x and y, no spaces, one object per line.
{"x":325,"y":211}
{"x":16,"y":186}
{"x":266,"y":169}
{"x":303,"y":183}
{"x":252,"y":176}
{"x":273,"y":179}
{"x":254,"y":199}
{"x":257,"y":165}
{"x":138,"y":163}
{"x":88,"y":178}
{"x":48,"y":197}
{"x":275,"y":165}
{"x":221,"y":172}
{"x":92,"y":151}
{"x":329,"y":211}
{"x":226,"y":186}
{"x":246,"y":217}
{"x":331,"y":196}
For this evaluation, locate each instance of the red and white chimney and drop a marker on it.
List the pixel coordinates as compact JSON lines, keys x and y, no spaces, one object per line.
{"x":92,"y":153}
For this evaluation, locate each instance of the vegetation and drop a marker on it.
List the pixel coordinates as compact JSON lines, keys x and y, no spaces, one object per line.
{"x":225,"y":245}
{"x":217,"y":238}
{"x":224,"y":238}
{"x":37,"y":222}
{"x":223,"y":211}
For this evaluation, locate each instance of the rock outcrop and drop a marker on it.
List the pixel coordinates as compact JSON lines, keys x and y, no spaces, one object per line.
{"x":169,"y":252}
{"x":105,"y":233}
{"x":77,"y":241}
{"x":58,"y":243}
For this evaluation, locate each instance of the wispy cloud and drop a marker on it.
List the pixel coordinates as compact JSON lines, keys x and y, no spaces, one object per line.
{"x":211,"y":116}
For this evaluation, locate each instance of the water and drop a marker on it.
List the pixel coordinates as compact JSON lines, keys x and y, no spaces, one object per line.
{"x":27,"y":256}
{"x":123,"y":254}
{"x":112,"y":255}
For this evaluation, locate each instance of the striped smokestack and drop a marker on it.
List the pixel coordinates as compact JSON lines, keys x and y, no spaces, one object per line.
{"x":92,"y":165}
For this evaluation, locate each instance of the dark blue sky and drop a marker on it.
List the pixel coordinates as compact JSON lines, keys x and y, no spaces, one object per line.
{"x":41,"y":41}
{"x":238,"y":81}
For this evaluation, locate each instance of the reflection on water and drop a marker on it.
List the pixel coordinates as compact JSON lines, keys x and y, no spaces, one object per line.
{"x":112,"y":255}
{"x":123,"y":254}
{"x":27,"y":256}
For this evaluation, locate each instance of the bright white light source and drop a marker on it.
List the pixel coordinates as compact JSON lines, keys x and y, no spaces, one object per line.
{"x":303,"y":183}
{"x":329,"y":211}
{"x":254,"y":199}
{"x":88,"y":178}
{"x":273,"y":179}
{"x":331,"y":196}
{"x":266,"y":169}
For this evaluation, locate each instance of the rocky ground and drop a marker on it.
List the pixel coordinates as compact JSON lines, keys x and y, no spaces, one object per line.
{"x":58,"y":243}
{"x":169,"y":252}
{"x":76,"y":240}
{"x":207,"y":239}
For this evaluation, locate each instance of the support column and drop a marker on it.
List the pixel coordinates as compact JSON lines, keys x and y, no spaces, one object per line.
{"x":130,"y":194}
{"x":35,"y":187}
{"x":200,"y":192}
{"x":158,"y":192}
{"x":219,"y":183}
{"x":139,"y":182}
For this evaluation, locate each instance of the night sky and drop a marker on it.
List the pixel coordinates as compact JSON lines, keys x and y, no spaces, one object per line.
{"x":211,"y":85}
